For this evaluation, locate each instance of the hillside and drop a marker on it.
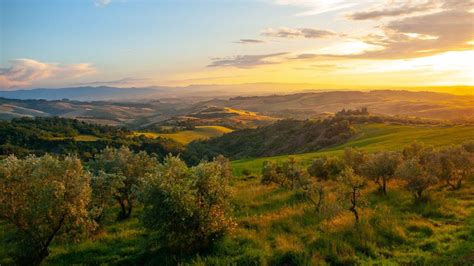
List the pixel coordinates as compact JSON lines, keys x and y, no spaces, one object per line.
{"x":400,"y":103}
{"x":282,"y":137}
{"x":100,"y":112}
{"x":61,"y":136}
{"x":187,"y":136}
{"x":375,"y":137}
{"x":212,"y":115}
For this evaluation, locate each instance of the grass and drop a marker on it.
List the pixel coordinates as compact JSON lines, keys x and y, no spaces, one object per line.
{"x":374,"y":137}
{"x":187,"y":136}
{"x":84,"y":138}
{"x":276,"y":227}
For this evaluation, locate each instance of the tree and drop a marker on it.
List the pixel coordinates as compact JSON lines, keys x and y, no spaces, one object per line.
{"x":352,"y":185}
{"x":43,"y":198}
{"x":128,"y":168}
{"x":271,"y":173}
{"x":186,"y":209}
{"x":326,"y":168}
{"x":105,"y":189}
{"x":382,"y":167}
{"x":417,"y":176}
{"x":455,"y":165}
{"x":355,"y":159}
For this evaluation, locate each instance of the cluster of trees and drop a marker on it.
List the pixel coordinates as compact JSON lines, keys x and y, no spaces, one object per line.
{"x":418,"y":167}
{"x":24,"y":136}
{"x":48,"y":198}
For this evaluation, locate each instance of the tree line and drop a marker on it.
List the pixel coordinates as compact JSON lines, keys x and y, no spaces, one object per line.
{"x":418,"y":167}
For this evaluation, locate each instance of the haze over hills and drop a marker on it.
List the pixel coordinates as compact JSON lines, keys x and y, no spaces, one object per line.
{"x":441,"y":106}
{"x":196,"y":92}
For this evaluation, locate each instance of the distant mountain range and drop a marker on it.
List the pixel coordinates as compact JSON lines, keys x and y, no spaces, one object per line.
{"x":194,"y":93}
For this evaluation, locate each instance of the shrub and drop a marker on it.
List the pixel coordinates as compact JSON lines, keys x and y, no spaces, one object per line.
{"x":186,"y":209}
{"x":454,"y":166}
{"x":43,"y":198}
{"x":382,"y":167}
{"x":127,"y":168}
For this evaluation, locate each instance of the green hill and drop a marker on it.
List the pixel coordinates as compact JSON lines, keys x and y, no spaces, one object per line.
{"x":374,"y":137}
{"x":187,"y":136}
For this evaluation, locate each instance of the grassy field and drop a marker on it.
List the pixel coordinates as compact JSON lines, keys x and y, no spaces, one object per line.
{"x":276,"y":227}
{"x":84,"y":138}
{"x":187,"y":136}
{"x":374,"y":137}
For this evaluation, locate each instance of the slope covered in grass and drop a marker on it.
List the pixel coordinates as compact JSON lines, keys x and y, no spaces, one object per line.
{"x":374,"y":137}
{"x":187,"y":136}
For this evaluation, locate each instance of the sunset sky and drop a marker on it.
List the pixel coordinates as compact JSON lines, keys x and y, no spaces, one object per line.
{"x":333,"y":43}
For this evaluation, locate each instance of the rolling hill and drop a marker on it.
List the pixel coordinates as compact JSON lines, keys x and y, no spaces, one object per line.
{"x":375,"y":137}
{"x":187,"y":136}
{"x":430,"y":105}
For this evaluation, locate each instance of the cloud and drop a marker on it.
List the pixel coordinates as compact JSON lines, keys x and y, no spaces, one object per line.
{"x":446,"y":28}
{"x":249,"y":41}
{"x":308,"y":33}
{"x":102,"y":3}
{"x":118,"y":82}
{"x":246,"y":61}
{"x":316,"y":7}
{"x":24,"y":72}
{"x":393,"y":11}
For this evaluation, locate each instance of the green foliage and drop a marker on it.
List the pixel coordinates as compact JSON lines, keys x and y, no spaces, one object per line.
{"x":42,"y":199}
{"x":289,"y":174}
{"x":381,"y":167}
{"x":352,"y":187}
{"x":282,"y":137}
{"x":455,"y":164}
{"x":187,"y":209}
{"x":419,"y":169}
{"x":126,"y":170}
{"x":63,"y":136}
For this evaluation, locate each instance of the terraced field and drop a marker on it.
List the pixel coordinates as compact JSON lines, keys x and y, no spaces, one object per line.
{"x":187,"y":136}
{"x":374,"y":137}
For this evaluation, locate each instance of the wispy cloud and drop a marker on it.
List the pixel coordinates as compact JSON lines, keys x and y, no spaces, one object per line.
{"x":23,"y":72}
{"x":102,"y":3}
{"x":249,"y":41}
{"x":247,"y":61}
{"x":394,"y":10}
{"x":309,"y":33}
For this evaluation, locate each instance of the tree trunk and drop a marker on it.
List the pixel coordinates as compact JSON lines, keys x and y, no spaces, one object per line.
{"x":384,"y":186}
{"x":354,"y":205}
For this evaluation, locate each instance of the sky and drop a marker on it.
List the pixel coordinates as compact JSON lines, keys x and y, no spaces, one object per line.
{"x":330,"y":43}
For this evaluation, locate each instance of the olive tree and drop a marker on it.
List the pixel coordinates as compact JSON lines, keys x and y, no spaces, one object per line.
{"x":326,"y":168}
{"x":455,"y":165}
{"x":186,"y":209}
{"x":352,"y":185}
{"x":417,"y":175}
{"x":355,"y":159}
{"x":105,"y":189}
{"x":381,"y":167}
{"x":43,"y":198}
{"x":128,"y":169}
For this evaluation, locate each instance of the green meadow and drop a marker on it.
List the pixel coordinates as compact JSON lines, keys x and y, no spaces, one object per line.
{"x":375,"y":137}
{"x":187,"y":136}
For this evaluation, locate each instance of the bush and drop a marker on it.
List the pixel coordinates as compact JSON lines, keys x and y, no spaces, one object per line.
{"x":42,"y":199}
{"x":187,"y":209}
{"x":128,"y":169}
